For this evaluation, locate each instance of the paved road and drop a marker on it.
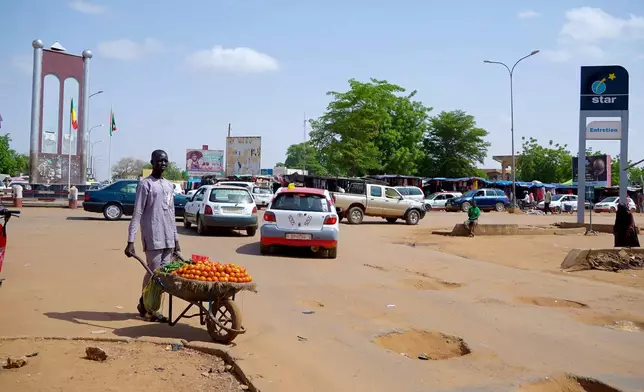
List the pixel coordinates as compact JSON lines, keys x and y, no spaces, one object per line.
{"x":66,"y":275}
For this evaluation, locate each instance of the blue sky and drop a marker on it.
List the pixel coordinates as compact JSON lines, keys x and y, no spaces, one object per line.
{"x":177,"y":73}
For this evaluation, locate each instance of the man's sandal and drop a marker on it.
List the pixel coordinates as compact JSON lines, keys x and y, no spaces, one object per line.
{"x":155,"y":317}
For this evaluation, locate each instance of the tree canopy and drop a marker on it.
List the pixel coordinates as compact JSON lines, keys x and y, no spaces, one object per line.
{"x":378,"y":128}
{"x":453,"y":145}
{"x":549,"y":164}
{"x":127,"y":168}
{"x":11,"y":162}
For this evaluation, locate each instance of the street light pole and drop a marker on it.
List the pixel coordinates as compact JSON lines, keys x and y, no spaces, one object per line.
{"x":89,"y":133}
{"x":511,"y":73}
{"x":91,"y":152}
{"x":89,"y":142}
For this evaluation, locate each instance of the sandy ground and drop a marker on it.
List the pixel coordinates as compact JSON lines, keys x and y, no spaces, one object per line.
{"x":66,"y":275}
{"x":130,"y":367}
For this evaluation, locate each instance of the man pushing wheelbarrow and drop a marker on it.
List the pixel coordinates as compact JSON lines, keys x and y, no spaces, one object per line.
{"x":154,"y":213}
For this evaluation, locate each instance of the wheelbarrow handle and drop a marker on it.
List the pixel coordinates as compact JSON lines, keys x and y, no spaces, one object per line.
{"x":147,"y":268}
{"x":144,"y":264}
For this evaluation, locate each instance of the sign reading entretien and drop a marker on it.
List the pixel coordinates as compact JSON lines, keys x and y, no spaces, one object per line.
{"x":604,"y":130}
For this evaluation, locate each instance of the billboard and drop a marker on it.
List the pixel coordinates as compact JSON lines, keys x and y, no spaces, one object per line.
{"x":204,"y":162}
{"x":597,"y":170}
{"x":243,"y":155}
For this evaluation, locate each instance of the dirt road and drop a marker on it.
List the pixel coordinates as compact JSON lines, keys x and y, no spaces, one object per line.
{"x":66,"y":275}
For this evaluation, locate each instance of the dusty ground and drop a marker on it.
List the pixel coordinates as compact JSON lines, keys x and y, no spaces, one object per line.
{"x":136,"y":367}
{"x":313,"y":323}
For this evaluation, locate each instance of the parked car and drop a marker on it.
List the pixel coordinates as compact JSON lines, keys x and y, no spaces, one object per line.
{"x":560,"y":203}
{"x":411,"y":192}
{"x":364,"y":199}
{"x":262,"y":196}
{"x":222,"y":206}
{"x":436,"y":201}
{"x":609,"y":204}
{"x":486,"y":199}
{"x":301,"y":217}
{"x":117,"y":199}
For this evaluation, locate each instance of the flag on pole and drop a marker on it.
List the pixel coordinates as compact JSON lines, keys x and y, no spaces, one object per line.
{"x":73,"y":117}
{"x":112,"y":123}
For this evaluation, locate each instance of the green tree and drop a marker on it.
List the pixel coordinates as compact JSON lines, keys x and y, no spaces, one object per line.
{"x":11,"y":162}
{"x":172,"y":172}
{"x":304,"y":156}
{"x":371,"y":128}
{"x":635,"y":173}
{"x":549,"y":164}
{"x":280,"y":164}
{"x":453,"y":144}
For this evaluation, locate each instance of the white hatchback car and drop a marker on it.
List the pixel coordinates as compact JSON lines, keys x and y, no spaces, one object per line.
{"x":436,"y":201}
{"x":221,"y":206}
{"x":610,"y":204}
{"x":301,"y":217}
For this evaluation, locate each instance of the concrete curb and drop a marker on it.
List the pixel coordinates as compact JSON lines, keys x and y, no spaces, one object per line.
{"x":203,"y":347}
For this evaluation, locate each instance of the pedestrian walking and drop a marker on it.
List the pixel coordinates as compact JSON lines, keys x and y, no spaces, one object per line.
{"x":546,"y":202}
{"x":154,"y":213}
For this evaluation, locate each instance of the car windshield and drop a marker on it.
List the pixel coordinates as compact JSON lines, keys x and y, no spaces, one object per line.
{"x":300,"y":202}
{"x":432,"y":196}
{"x":609,"y":200}
{"x":470,"y":193}
{"x":558,"y":197}
{"x":262,"y":191}
{"x":223,"y":195}
{"x":403,"y":191}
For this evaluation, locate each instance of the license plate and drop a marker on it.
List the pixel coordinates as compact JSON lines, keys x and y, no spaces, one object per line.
{"x":232,"y":210}
{"x":298,"y":236}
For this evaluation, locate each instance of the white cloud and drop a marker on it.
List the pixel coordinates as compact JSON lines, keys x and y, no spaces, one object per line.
{"x":23,"y":63}
{"x":593,"y":25}
{"x":86,"y":7}
{"x":128,"y":50}
{"x":589,"y":32}
{"x":234,"y":60}
{"x":530,"y":14}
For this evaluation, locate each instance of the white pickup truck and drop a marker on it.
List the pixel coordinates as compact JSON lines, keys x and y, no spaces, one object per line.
{"x":364,"y":199}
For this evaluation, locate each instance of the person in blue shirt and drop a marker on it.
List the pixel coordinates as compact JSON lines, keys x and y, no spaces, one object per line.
{"x":473,"y":214}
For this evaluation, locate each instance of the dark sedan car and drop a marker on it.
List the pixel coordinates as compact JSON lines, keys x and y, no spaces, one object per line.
{"x":117,"y":199}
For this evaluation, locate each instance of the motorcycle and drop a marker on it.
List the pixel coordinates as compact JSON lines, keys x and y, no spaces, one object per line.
{"x":5,"y":215}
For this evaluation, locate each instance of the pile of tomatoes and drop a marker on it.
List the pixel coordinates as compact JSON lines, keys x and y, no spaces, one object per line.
{"x":212,"y":271}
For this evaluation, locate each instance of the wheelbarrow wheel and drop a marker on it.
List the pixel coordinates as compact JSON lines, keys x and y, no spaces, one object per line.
{"x":229,"y":315}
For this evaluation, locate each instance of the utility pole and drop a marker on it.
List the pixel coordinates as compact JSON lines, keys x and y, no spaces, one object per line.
{"x":228,"y":129}
{"x":304,"y":127}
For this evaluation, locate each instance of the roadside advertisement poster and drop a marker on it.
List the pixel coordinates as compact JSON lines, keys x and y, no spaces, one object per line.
{"x":243,"y":155}
{"x":597,"y":170}
{"x":204,"y":162}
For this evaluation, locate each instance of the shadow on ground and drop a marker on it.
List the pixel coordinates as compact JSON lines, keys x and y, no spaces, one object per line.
{"x":220,"y":232}
{"x":252,"y":249}
{"x":89,"y":218}
{"x":102,"y":319}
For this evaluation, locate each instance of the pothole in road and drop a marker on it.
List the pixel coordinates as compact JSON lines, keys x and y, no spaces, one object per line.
{"x":626,"y":322}
{"x":423,"y":344}
{"x":434,"y":284}
{"x":552,"y":302}
{"x":567,"y":383}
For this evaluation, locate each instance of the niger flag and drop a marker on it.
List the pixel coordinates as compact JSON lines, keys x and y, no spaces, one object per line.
{"x":73,"y":116}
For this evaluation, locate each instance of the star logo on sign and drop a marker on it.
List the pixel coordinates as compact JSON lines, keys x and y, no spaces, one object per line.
{"x":612,"y":76}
